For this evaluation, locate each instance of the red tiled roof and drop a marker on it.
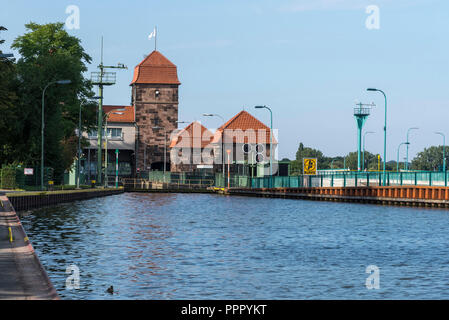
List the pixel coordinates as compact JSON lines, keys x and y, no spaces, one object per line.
{"x":127,"y":116}
{"x":155,"y":69}
{"x":240,"y":127}
{"x":194,"y":135}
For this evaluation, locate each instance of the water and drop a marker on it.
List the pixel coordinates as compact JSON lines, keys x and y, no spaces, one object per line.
{"x":201,"y":246}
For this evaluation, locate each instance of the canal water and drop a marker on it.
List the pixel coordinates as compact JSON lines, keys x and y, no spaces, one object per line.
{"x":201,"y":246}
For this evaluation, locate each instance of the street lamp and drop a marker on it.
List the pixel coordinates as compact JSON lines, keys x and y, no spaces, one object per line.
{"x":165,"y":147}
{"x":406,"y":161}
{"x":385,"y":132}
{"x":222,"y":139}
{"x":43,"y":125}
{"x":78,"y":166}
{"x":114,"y":111}
{"x":271,"y":139}
{"x":363,"y":154}
{"x":399,"y":147}
{"x":444,"y":151}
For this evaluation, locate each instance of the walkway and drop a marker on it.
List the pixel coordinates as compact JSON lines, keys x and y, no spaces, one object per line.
{"x":21,"y":273}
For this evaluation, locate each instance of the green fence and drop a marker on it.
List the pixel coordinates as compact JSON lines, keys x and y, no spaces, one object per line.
{"x":15,"y":178}
{"x":341,"y":179}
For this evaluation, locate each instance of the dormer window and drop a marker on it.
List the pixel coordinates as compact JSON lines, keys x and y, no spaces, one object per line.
{"x":157,"y":93}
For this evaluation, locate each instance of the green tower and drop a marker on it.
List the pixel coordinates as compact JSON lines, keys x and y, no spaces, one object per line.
{"x":361,"y":112}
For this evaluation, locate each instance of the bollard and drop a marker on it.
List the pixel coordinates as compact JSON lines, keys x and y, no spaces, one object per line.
{"x":10,"y":235}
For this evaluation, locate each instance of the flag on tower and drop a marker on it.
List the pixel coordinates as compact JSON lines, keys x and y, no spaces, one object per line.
{"x":152,"y":34}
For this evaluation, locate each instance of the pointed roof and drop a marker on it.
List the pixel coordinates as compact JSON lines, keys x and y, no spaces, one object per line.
{"x":245,"y":122}
{"x":192,"y":136}
{"x":155,"y":69}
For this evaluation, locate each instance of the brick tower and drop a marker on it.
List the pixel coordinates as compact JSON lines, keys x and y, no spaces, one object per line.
{"x":155,"y":100}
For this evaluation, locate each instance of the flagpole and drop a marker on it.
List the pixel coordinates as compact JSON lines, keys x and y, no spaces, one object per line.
{"x":155,"y":37}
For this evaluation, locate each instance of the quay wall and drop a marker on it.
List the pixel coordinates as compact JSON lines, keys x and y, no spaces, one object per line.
{"x":393,"y":195}
{"x":25,"y":201}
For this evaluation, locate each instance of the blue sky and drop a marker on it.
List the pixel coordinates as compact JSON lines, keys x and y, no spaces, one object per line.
{"x":309,"y":60}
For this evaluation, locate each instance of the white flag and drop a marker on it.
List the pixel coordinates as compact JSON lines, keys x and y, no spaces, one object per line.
{"x":152,"y":34}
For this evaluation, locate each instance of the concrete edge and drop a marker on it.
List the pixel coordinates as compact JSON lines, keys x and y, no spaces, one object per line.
{"x":35,"y":279}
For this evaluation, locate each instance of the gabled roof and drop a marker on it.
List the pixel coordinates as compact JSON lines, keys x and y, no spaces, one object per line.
{"x":126,"y":117}
{"x":240,"y":128}
{"x":155,"y":69}
{"x":192,"y":136}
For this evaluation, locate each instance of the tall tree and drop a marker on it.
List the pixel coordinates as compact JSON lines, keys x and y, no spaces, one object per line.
{"x":49,"y":53}
{"x":306,"y":152}
{"x":8,"y":107}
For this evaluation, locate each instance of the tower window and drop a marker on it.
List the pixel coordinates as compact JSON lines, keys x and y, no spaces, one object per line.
{"x":157,"y":93}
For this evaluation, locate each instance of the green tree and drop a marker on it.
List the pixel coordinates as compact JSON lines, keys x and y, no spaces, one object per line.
{"x":370,"y":160}
{"x":430,"y":159}
{"x":8,"y":107}
{"x":49,"y":53}
{"x":306,"y":152}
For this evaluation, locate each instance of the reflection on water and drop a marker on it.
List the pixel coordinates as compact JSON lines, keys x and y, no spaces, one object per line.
{"x":194,"y":246}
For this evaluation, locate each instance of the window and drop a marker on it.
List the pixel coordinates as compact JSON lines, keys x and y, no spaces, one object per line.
{"x":114,"y":133}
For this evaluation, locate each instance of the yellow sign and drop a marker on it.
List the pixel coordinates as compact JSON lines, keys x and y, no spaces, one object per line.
{"x":310,"y":166}
{"x":50,"y":182}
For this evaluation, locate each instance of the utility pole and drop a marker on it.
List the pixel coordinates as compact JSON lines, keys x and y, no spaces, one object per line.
{"x":102,"y":79}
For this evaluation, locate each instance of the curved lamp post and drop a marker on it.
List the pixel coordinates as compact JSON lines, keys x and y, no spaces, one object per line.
{"x":397,"y":163}
{"x":363,"y":154}
{"x":222,"y":139}
{"x":106,"y":116}
{"x":444,"y":150}
{"x":78,"y":166}
{"x":43,"y":125}
{"x":406,"y":161}
{"x":271,"y":140}
{"x":385,"y":133}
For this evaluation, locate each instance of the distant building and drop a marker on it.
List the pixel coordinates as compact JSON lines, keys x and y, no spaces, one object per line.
{"x":141,"y":131}
{"x":243,"y":142}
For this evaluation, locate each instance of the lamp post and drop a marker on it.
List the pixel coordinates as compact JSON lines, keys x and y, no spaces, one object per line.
{"x":332,"y":163}
{"x":399,"y":147}
{"x":271,"y":140}
{"x":222,"y":139}
{"x":78,"y":165}
{"x":444,"y":151}
{"x":363,"y":154}
{"x":385,"y":133}
{"x":115,"y":111}
{"x":43,"y":125}
{"x":406,"y":160}
{"x":165,"y":147}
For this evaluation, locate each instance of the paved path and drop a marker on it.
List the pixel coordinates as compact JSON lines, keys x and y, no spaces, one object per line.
{"x":21,"y":273}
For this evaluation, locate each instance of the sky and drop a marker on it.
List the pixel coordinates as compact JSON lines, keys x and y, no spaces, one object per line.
{"x":310,"y":61}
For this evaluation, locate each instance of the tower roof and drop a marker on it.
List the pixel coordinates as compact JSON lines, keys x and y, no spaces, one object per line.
{"x":155,"y":69}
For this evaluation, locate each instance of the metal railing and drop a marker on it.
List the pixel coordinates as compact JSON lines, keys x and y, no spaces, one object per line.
{"x":341,"y":179}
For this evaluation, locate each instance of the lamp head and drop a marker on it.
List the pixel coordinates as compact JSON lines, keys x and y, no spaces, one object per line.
{"x":371,"y":89}
{"x":259,"y":107}
{"x":64,"y":81}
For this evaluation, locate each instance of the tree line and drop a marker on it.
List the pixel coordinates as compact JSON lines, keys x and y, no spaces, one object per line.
{"x":47,"y":54}
{"x":430,"y":159}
